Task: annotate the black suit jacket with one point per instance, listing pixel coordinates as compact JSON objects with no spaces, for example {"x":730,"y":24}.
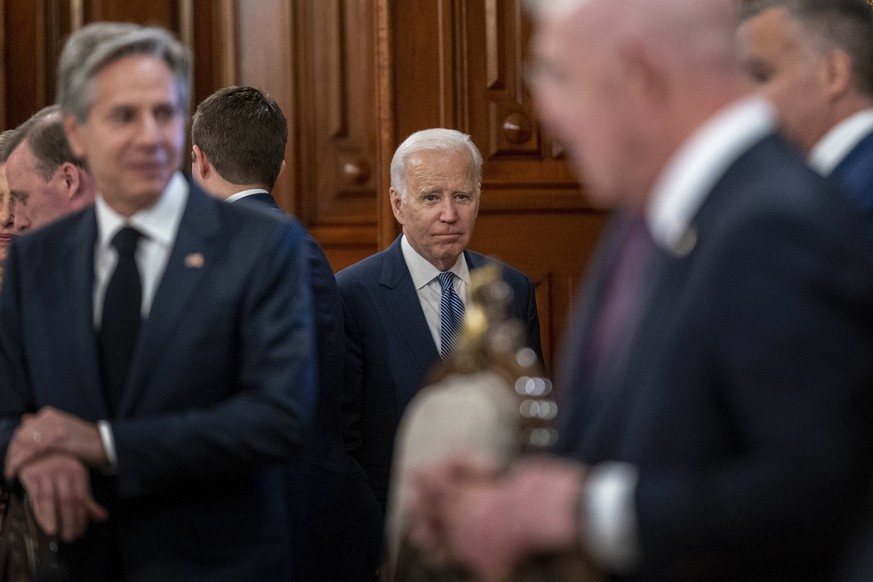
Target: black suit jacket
{"x":745,"y":396}
{"x":221,"y":389}
{"x":391,"y":350}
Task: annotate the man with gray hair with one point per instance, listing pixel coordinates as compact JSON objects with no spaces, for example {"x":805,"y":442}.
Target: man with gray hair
{"x":397,"y":302}
{"x":45,"y":179}
{"x":814,"y":60}
{"x":718,"y":422}
{"x":153,"y":374}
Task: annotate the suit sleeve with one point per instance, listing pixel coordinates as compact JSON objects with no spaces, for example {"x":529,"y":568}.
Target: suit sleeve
{"x":15,"y":398}
{"x":264,"y":418}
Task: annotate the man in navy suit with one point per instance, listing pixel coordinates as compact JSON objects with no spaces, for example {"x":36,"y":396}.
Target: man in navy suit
{"x":238,"y":136}
{"x":814,"y":60}
{"x":392,"y":299}
{"x":718,"y":422}
{"x":147,"y":432}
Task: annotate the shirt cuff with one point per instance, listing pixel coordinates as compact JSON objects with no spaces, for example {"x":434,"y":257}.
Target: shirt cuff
{"x":609,"y":517}
{"x":108,"y":440}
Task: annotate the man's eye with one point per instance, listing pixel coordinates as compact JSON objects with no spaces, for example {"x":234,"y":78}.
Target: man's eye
{"x":759,"y":73}
{"x":165,"y":114}
{"x":122,"y":116}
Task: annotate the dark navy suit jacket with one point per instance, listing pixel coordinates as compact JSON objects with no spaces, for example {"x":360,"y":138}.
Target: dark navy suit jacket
{"x":221,"y":388}
{"x":328,"y":521}
{"x":391,"y":350}
{"x":745,"y":396}
{"x":855,"y":173}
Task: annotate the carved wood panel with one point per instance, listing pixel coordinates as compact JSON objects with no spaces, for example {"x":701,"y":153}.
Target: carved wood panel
{"x":496,"y":109}
{"x":355,"y":77}
{"x":337,"y":110}
{"x":34,"y":33}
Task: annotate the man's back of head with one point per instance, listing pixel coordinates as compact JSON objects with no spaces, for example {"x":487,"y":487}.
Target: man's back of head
{"x":242,"y":132}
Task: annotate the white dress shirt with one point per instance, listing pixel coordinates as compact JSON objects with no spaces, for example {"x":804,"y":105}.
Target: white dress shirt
{"x":836,"y":144}
{"x":608,"y":508}
{"x":424,"y":278}
{"x":244,"y":193}
{"x":158,"y":224}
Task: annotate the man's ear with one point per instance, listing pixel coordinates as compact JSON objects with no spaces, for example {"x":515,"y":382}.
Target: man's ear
{"x":281,"y":169}
{"x":644,"y":70}
{"x":200,"y":163}
{"x":397,"y":205}
{"x":838,"y":71}
{"x":73,"y":130}
{"x":70,"y":175}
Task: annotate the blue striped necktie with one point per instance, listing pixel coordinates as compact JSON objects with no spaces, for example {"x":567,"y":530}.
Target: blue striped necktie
{"x":451,"y":314}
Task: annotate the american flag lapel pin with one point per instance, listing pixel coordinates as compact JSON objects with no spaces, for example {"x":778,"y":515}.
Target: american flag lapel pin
{"x":194,"y":260}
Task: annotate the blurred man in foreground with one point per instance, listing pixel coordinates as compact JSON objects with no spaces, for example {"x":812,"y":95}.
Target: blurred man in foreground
{"x":718,"y":425}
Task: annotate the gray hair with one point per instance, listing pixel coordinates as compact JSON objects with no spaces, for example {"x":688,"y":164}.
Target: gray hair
{"x":99,"y":44}
{"x":17,"y":136}
{"x":843,"y":24}
{"x":4,"y":139}
{"x":436,"y":139}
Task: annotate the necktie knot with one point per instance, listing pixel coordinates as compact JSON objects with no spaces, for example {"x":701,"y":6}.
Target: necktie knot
{"x":126,"y":240}
{"x":447,"y":281}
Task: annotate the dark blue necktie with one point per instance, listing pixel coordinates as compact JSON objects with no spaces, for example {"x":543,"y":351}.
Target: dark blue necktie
{"x":451,"y":314}
{"x":119,"y":325}
{"x":622,"y":306}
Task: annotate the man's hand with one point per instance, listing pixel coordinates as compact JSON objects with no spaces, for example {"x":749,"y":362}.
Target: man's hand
{"x":465,"y":514}
{"x":52,"y":431}
{"x":59,"y":490}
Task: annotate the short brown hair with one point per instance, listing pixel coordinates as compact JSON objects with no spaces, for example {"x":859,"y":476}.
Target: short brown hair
{"x":243,"y":132}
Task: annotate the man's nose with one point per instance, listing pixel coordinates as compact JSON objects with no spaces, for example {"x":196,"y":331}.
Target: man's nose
{"x":449,"y":213}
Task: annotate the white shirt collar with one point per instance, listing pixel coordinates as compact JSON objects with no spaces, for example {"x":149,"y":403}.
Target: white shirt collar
{"x":699,"y":163}
{"x":423,"y":272}
{"x":158,"y":222}
{"x":244,"y":193}
{"x":836,"y":144}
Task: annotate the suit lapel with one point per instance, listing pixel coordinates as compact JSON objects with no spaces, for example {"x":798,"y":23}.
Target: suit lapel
{"x":186,"y":268}
{"x":845,"y":169}
{"x":402,"y":303}
{"x":77,"y":272}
